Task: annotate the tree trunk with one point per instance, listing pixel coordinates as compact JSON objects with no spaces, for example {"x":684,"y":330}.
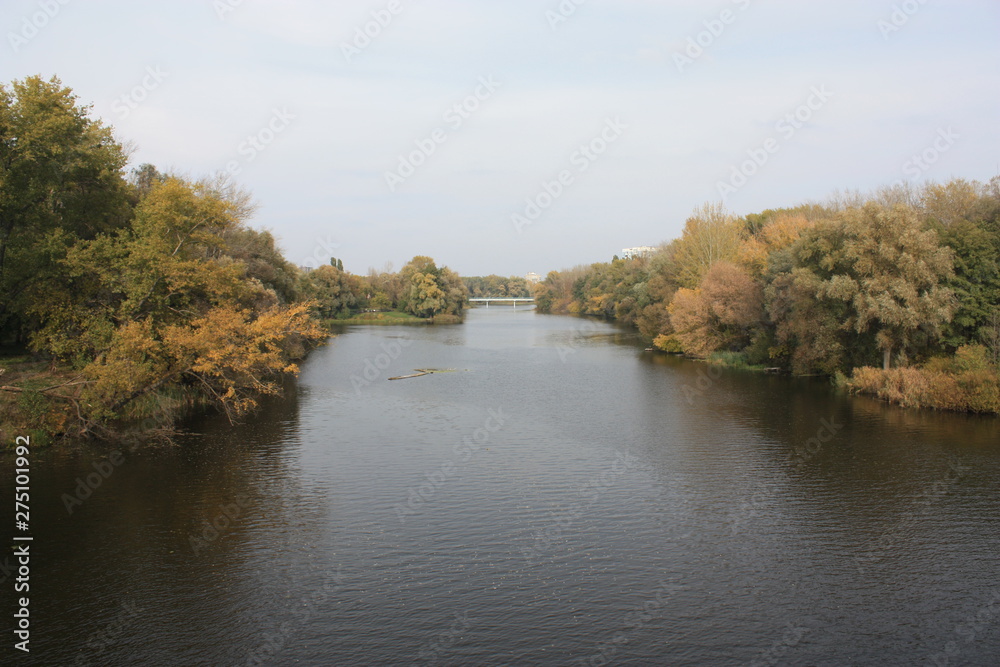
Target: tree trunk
{"x":886,"y":358}
{"x":4,"y":236}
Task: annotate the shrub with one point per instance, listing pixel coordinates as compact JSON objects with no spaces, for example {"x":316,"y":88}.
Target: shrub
{"x":668,"y":344}
{"x":966,"y":383}
{"x":737,"y":360}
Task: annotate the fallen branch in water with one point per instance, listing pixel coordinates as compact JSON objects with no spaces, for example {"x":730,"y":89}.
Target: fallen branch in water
{"x":404,"y":377}
{"x":424,"y":371}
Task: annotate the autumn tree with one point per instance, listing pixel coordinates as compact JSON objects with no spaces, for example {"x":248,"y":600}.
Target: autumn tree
{"x":885,"y":267}
{"x":710,"y":235}
{"x":165,"y":305}
{"x":809,"y":330}
{"x":776,"y":234}
{"x":956,"y":201}
{"x":144,"y":178}
{"x":720,"y":314}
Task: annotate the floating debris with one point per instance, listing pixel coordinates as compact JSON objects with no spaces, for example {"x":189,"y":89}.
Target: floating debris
{"x":425,"y":371}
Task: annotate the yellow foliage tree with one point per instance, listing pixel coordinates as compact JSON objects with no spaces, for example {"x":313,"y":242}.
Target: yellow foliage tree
{"x":711,"y":235}
{"x":162,"y":308}
{"x":783,"y":231}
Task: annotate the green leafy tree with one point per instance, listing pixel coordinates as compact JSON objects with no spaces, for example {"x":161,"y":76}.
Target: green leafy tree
{"x":432,"y":291}
{"x":976,"y":282}
{"x":426,"y":298}
{"x":61,"y":180}
{"x":334,"y":292}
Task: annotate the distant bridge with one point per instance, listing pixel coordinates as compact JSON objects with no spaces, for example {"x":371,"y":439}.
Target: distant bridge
{"x":501,"y":299}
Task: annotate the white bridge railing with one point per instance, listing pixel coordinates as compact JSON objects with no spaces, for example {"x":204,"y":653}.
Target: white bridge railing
{"x":501,"y":299}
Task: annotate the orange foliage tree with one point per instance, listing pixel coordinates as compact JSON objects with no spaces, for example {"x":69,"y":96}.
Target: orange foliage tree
{"x":720,"y":314}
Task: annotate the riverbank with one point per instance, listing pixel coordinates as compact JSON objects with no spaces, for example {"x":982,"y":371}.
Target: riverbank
{"x":392,"y":318}
{"x":969,"y":382}
{"x":51,"y":401}
{"x":29,"y":401}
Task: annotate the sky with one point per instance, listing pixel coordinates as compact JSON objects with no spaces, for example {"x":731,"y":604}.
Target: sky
{"x":514,"y":136}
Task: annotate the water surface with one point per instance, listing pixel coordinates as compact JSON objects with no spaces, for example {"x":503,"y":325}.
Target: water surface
{"x":562,"y":497}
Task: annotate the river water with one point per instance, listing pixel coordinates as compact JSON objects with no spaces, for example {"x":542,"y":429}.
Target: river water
{"x":562,"y":497}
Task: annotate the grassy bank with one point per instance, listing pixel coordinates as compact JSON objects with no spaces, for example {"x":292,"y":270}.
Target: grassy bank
{"x":735,"y":360}
{"x":395,"y":317}
{"x":386,"y":318}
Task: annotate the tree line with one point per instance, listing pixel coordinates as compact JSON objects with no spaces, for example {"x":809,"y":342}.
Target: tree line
{"x":129,"y":297}
{"x":512,"y":287}
{"x":420,"y":289}
{"x":896,"y":293}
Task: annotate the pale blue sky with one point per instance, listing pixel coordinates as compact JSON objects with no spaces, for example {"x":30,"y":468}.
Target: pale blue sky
{"x":321,"y":181}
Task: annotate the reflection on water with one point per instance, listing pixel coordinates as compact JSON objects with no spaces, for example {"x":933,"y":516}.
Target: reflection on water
{"x":566,"y":498}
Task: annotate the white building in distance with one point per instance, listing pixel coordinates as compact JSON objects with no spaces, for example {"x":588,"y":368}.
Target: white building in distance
{"x":532,"y":278}
{"x":635,"y":253}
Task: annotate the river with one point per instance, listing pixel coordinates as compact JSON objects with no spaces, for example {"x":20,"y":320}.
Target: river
{"x":561,"y":497}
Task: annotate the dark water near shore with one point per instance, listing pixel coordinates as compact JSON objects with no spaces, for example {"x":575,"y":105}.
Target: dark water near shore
{"x":561,"y":498}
